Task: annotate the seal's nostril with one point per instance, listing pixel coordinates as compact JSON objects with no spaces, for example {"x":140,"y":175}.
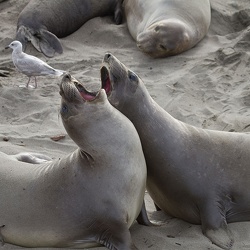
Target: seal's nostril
{"x":67,"y":76}
{"x":107,"y":56}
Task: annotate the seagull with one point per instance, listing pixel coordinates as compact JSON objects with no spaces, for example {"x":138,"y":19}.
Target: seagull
{"x":30,"y":65}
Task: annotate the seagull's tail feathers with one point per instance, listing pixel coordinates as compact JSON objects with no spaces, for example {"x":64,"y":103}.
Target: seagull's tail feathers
{"x":43,"y":40}
{"x":59,"y":72}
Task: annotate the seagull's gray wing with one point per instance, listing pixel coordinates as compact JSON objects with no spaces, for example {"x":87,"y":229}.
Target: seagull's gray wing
{"x":32,"y":66}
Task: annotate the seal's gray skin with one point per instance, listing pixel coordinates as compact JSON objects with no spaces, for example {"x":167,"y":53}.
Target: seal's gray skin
{"x":90,"y":197}
{"x":42,"y":21}
{"x":201,"y":176}
{"x":29,"y":157}
{"x":163,"y":28}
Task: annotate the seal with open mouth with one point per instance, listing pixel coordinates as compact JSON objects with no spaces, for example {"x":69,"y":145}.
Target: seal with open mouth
{"x":90,"y":197}
{"x":198,"y":175}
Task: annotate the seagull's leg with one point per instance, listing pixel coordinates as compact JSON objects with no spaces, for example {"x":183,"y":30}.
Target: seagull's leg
{"x":27,"y":85}
{"x":35,"y":83}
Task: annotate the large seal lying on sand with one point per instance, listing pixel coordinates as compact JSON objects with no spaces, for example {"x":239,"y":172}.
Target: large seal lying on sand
{"x":89,"y":197}
{"x":42,"y":21}
{"x":198,"y":175}
{"x":167,"y":27}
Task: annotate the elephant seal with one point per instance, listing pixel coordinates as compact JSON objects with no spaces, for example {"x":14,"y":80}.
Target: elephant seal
{"x":198,"y":175}
{"x":90,"y":197}
{"x":42,"y":21}
{"x":164,"y":28}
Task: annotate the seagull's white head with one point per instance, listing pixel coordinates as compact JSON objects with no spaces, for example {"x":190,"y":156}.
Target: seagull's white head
{"x":15,"y":45}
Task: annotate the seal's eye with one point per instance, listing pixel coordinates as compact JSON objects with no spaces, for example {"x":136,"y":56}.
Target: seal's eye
{"x":64,"y":109}
{"x":157,"y":28}
{"x":132,"y":76}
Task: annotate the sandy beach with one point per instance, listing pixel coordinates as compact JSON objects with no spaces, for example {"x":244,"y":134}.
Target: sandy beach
{"x":207,"y":86}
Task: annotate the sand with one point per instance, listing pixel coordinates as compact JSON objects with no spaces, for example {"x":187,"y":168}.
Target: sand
{"x":207,"y":86}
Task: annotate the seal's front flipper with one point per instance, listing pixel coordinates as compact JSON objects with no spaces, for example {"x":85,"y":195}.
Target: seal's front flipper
{"x":116,"y":236}
{"x":142,"y":218}
{"x":214,"y":226}
{"x":49,"y":43}
{"x":1,"y":236}
{"x":221,"y":237}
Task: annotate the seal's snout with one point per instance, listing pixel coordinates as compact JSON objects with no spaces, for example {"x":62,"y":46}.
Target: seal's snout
{"x":67,"y":76}
{"x":65,"y":84}
{"x":107,"y":57}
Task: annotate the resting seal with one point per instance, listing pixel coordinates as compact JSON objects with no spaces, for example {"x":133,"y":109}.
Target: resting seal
{"x":43,"y":21}
{"x":90,"y":197}
{"x":198,"y":175}
{"x":167,"y":27}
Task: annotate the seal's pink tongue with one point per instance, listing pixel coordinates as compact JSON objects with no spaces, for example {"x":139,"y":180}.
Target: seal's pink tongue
{"x":86,"y":96}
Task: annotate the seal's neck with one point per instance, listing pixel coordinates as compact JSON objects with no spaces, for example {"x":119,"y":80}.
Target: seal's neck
{"x":144,"y":107}
{"x":100,"y":133}
{"x":149,"y":118}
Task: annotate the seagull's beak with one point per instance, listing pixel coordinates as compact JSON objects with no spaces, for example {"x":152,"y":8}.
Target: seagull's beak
{"x":7,"y":47}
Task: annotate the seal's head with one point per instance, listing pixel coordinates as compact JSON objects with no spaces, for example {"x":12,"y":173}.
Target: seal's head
{"x":164,"y":38}
{"x":120,"y":83}
{"x":79,"y":106}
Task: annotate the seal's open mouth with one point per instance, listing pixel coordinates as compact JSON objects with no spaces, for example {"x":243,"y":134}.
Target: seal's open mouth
{"x":69,"y":87}
{"x":86,"y":95}
{"x":105,"y":78}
